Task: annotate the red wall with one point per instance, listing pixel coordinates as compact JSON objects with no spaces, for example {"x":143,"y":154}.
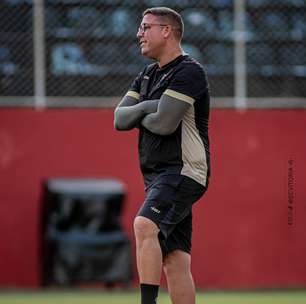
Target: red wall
{"x":241,"y":234}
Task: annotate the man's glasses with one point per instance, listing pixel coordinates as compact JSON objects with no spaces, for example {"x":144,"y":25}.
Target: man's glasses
{"x":146,"y":26}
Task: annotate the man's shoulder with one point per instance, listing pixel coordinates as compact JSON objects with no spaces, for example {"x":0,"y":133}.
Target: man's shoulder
{"x":190,"y":78}
{"x":191,"y":65}
{"x":146,"y":71}
{"x":150,"y":67}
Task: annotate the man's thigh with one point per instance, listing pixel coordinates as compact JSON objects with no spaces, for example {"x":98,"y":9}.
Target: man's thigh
{"x":169,"y":203}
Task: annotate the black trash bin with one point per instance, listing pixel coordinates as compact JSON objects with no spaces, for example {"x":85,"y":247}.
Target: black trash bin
{"x":82,"y":238}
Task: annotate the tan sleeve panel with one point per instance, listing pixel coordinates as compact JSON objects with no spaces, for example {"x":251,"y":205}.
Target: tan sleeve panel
{"x":179,"y":96}
{"x":133,"y":94}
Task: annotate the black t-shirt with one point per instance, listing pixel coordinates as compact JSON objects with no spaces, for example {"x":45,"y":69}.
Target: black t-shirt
{"x":185,"y":151}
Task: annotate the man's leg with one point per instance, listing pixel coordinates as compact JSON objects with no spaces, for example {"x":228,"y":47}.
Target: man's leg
{"x":179,"y":278}
{"x":148,"y":257}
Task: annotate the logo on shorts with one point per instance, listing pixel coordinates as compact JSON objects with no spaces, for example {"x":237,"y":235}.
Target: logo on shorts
{"x":155,"y":209}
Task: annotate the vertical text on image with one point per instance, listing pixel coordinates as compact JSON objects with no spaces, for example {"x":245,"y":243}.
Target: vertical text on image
{"x":290,"y":192}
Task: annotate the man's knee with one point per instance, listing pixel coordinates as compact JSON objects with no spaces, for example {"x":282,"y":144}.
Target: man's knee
{"x":176,"y":263}
{"x":144,"y":228}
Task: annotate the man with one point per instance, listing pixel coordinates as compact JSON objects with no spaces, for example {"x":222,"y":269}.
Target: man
{"x":169,"y":103}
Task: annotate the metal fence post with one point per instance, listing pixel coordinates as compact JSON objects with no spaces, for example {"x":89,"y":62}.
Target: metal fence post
{"x":39,"y":54}
{"x":240,"y":76}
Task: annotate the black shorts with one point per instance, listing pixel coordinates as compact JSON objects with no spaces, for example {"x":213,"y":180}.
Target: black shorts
{"x":169,"y":203}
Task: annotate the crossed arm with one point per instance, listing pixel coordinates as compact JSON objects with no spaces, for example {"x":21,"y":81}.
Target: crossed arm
{"x":129,"y":112}
{"x":160,"y":116}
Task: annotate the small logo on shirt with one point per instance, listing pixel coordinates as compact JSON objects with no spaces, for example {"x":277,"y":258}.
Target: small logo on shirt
{"x":155,"y":210}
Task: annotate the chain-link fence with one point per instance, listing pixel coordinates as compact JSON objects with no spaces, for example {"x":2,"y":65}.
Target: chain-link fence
{"x":79,"y":49}
{"x":16,"y":49}
{"x":276,"y":47}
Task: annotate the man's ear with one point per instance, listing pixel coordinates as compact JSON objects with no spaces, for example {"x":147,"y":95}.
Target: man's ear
{"x":167,"y":31}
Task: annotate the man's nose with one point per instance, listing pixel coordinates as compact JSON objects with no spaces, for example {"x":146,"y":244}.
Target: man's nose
{"x":139,"y":33}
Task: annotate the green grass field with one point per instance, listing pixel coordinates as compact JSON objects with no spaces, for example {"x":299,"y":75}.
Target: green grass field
{"x":105,"y":297}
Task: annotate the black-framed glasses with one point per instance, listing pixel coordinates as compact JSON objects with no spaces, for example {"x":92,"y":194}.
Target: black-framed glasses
{"x":146,"y":26}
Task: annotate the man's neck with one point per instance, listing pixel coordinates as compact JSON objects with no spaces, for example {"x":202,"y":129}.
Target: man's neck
{"x":168,"y":57}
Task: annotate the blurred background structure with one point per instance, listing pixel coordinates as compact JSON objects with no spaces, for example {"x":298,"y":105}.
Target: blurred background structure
{"x":69,"y":48}
{"x":64,"y":65}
